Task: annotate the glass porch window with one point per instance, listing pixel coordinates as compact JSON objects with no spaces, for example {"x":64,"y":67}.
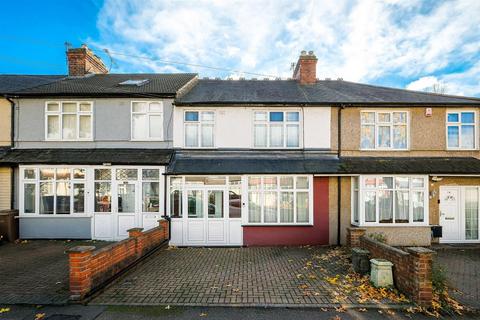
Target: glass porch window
{"x":235,"y":197}
{"x":126,"y":197}
{"x":195,"y":203}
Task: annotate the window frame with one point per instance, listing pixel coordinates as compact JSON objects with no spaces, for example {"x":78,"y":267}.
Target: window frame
{"x":262,"y":191}
{"x":376,"y":124}
{"x":37,"y":181}
{"x":77,"y":113}
{"x":459,"y":124}
{"x":199,"y":133}
{"x":285,"y":123}
{"x":148,"y":114}
{"x":361,"y":201}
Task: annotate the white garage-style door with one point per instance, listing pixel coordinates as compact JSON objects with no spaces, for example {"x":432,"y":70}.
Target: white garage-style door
{"x":459,"y":213}
{"x":206,"y":211}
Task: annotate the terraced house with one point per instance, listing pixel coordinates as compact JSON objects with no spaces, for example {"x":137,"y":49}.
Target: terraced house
{"x":242,"y":162}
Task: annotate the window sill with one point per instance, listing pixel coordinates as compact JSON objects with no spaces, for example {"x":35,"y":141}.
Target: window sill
{"x":459,"y":149}
{"x":61,"y":216}
{"x":72,"y":140}
{"x":395,"y":150}
{"x":391,"y":225}
{"x":147,"y":140}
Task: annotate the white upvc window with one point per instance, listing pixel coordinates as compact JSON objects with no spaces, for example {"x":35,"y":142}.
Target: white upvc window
{"x":53,"y":190}
{"x":147,"y":120}
{"x":279,"y":200}
{"x":276,"y":129}
{"x":390,"y":200}
{"x":461,"y":129}
{"x":68,"y":120}
{"x":199,"y":129}
{"x":384,"y":130}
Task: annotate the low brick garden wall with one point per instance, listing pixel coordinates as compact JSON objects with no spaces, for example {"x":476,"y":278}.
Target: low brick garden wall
{"x":412,"y":266}
{"x":91,"y":268}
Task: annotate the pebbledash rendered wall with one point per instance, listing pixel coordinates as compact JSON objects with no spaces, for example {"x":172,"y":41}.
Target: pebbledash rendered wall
{"x":318,"y":234}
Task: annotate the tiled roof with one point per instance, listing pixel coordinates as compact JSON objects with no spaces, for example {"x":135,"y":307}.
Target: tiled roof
{"x":322,"y":92}
{"x":87,"y":156}
{"x":12,"y":83}
{"x":105,"y":85}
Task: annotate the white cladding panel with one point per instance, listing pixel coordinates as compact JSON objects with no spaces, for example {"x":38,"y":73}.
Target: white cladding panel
{"x":234,"y":126}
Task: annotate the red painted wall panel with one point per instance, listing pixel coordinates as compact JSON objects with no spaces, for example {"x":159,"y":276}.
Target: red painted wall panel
{"x":295,"y":235}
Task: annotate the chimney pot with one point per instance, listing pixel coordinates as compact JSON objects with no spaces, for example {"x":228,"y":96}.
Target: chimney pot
{"x":306,"y":68}
{"x":82,"y":61}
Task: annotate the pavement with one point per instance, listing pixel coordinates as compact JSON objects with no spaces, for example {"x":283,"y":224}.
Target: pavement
{"x":242,"y":277}
{"x":461,"y":264}
{"x":36,"y":272}
{"x":79,"y":312}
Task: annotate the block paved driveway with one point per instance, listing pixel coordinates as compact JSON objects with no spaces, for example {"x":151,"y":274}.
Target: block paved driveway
{"x":462,"y":267}
{"x":36,"y":272}
{"x":256,"y":276}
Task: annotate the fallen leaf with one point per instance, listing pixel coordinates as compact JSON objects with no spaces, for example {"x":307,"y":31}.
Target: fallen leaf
{"x":362,"y":310}
{"x":4,"y":310}
{"x":340,"y":309}
{"x":203,"y":314}
{"x":39,"y":316}
{"x":167,"y":307}
{"x":324,"y":309}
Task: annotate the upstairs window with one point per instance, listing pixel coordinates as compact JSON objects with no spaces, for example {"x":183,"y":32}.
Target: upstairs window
{"x":461,"y":130}
{"x":382,"y":130}
{"x":147,"y":120}
{"x":199,"y":129}
{"x":69,"y":120}
{"x":276,"y":129}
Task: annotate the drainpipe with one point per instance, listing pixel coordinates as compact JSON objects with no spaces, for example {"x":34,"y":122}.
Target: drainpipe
{"x":339,"y":179}
{"x":12,"y":144}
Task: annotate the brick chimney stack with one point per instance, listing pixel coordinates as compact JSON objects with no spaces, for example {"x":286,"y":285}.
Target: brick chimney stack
{"x":306,"y":68}
{"x":82,"y":61}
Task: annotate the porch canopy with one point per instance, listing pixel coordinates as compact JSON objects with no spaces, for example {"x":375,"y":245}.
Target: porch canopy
{"x":100,"y":156}
{"x":308,"y":162}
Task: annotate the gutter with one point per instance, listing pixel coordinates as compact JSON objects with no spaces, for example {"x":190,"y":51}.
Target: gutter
{"x":12,"y":145}
{"x":339,"y":178}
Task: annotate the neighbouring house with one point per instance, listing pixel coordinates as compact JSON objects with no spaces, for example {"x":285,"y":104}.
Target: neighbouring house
{"x":242,"y":162}
{"x":90,"y":149}
{"x":8,"y":84}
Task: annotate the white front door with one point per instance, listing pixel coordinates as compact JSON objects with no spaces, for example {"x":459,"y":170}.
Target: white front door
{"x":211,"y":217}
{"x":127,"y":209}
{"x":459,"y":213}
{"x":450,"y":213}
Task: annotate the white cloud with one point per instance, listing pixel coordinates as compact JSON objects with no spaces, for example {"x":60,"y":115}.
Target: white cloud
{"x":423,"y":84}
{"x":359,"y":40}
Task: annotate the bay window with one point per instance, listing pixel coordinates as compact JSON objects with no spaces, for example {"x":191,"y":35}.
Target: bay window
{"x":276,"y":129}
{"x":199,"y":128}
{"x":382,"y":130}
{"x":461,"y":130}
{"x":69,"y":120}
{"x":389,"y":200}
{"x":147,"y":120}
{"x":279,"y":200}
{"x":53,"y":191}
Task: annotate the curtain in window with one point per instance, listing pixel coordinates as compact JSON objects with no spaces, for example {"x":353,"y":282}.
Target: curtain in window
{"x":418,"y":206}
{"x":254,"y":207}
{"x":471,"y":214}
{"x":46,"y":198}
{"x":69,"y":126}
{"x":63,"y":198}
{"x":302,"y":207}
{"x":276,"y":135}
{"x":292,"y":135}
{"x":207,"y":135}
{"x":385,"y":206}
{"x":401,"y":207}
{"x":260,"y":135}
{"x":370,"y":206}
{"x":286,"y":206}
{"x":53,"y":127}
{"x":139,"y":126}
{"x":85,"y":131}
{"x":29,"y":198}
{"x":191,"y":135}
{"x":270,"y":207}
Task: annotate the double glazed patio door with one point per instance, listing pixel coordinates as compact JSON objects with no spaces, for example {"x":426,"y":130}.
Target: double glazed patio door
{"x":205,"y":218}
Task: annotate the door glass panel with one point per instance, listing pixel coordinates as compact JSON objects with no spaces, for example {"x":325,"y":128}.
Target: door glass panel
{"x":235,"y":202}
{"x":471,"y":214}
{"x":103,"y":197}
{"x":215,"y":204}
{"x":78,"y":198}
{"x":150,"y":197}
{"x":195,"y":203}
{"x":176,"y":203}
{"x":46,"y":198}
{"x":29,"y":198}
{"x":63,"y":197}
{"x":126,"y":197}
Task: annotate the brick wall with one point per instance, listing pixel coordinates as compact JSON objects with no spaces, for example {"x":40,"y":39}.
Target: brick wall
{"x":91,"y":268}
{"x":412,"y":267}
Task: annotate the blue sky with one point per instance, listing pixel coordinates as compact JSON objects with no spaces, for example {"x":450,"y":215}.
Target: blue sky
{"x":401,"y":43}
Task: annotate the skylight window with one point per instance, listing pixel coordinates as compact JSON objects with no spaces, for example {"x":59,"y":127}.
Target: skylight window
{"x":131,"y":82}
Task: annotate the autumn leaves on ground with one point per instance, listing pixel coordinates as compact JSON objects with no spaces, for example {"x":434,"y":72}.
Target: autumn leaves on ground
{"x":348,"y":284}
